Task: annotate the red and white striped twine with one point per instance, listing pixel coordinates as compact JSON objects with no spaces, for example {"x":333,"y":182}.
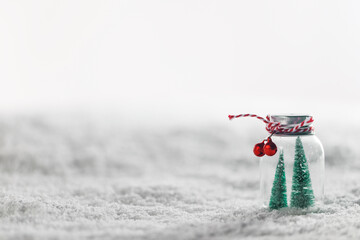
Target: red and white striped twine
{"x":276,"y":127}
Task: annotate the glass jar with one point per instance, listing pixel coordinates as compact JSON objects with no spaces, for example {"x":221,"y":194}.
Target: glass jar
{"x":294,"y":176}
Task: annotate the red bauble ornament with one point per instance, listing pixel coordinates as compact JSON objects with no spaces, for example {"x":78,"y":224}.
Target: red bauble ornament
{"x":270,"y":148}
{"x":259,"y":149}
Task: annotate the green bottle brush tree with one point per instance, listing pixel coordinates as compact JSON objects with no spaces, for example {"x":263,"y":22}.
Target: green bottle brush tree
{"x":278,"y":192}
{"x":302,"y":195}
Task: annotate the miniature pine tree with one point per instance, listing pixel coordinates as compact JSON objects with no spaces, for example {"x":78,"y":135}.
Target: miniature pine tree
{"x":278,"y":197}
{"x":302,"y":195}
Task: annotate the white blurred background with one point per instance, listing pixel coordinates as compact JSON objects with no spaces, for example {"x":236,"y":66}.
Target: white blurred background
{"x":181,"y":60}
{"x":164,"y":162}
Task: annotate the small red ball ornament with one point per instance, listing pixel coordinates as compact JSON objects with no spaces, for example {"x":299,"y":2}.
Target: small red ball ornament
{"x":259,"y":149}
{"x":270,"y":148}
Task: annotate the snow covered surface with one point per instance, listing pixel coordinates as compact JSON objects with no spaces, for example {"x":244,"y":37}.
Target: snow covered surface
{"x":82,"y":180}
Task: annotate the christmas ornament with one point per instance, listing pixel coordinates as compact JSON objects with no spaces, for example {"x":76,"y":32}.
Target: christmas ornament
{"x":292,"y":138}
{"x":270,"y":148}
{"x":259,"y":149}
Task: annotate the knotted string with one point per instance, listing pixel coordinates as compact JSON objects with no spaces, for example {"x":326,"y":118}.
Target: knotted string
{"x":277,"y":127}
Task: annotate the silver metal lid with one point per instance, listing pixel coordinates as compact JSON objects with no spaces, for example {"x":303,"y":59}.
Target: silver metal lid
{"x":291,"y":120}
{"x":288,"y":119}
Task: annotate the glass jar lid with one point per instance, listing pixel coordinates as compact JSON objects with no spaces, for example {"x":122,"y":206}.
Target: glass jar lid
{"x":290,"y":120}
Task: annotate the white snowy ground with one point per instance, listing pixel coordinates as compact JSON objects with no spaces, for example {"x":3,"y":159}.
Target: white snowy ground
{"x":96,"y":181}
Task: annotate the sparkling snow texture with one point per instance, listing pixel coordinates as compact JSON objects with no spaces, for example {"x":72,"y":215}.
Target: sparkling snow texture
{"x":100,"y":181}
